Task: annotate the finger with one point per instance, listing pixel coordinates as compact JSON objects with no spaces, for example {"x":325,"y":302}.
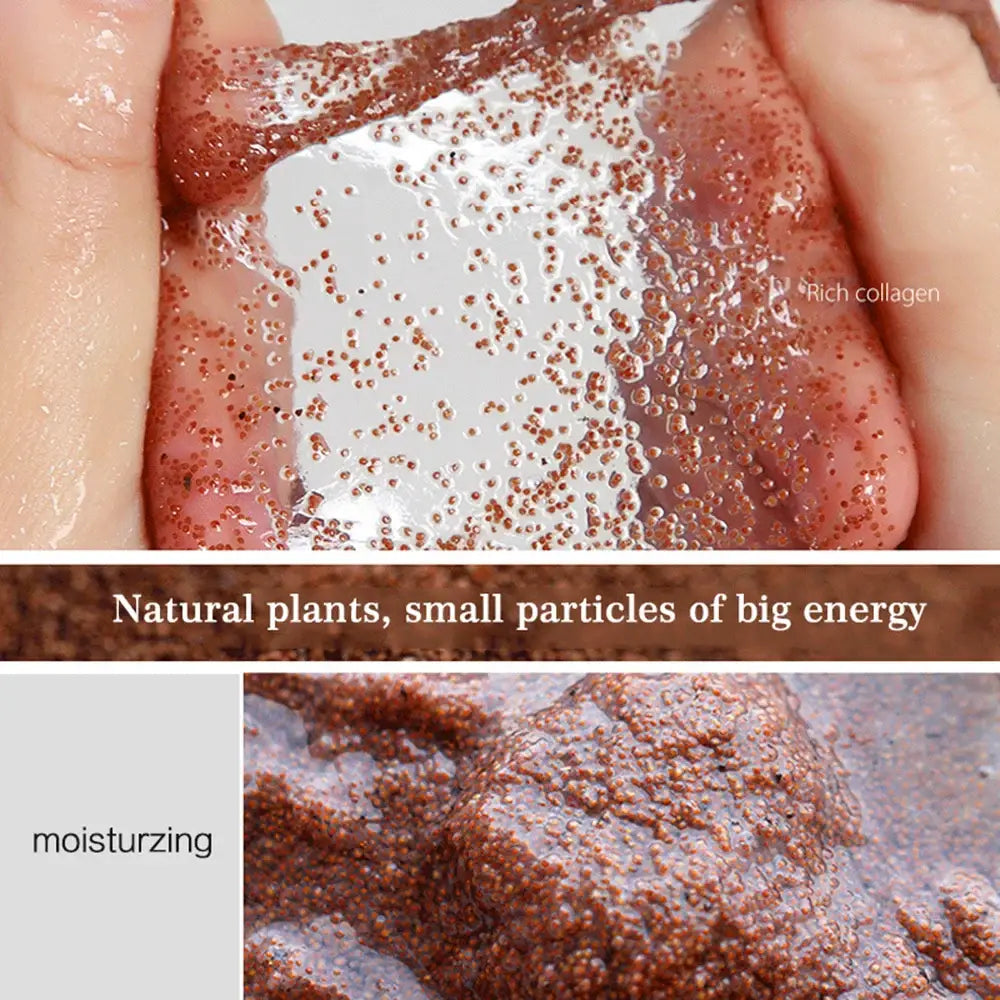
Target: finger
{"x":219,"y":450}
{"x":79,"y":255}
{"x":793,"y":435}
{"x":200,"y":24}
{"x":983,"y":20}
{"x":909,"y":120}
{"x":235,"y":23}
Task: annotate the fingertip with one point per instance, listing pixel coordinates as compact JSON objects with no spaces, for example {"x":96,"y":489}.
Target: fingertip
{"x":875,"y":50}
{"x":234,"y":23}
{"x":80,"y":79}
{"x":32,"y":26}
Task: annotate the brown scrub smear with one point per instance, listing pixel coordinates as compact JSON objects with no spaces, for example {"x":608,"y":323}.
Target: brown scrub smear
{"x":587,"y":323}
{"x":622,"y":837}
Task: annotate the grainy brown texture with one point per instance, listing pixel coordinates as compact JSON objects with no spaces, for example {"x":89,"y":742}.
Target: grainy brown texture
{"x":622,"y":837}
{"x":211,"y":156}
{"x":66,"y":613}
{"x":686,"y":416}
{"x":684,"y":391}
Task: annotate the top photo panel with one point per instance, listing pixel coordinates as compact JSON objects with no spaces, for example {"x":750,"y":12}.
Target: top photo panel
{"x":474,"y":274}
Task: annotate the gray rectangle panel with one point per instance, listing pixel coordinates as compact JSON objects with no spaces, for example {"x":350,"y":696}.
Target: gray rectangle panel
{"x":139,"y":754}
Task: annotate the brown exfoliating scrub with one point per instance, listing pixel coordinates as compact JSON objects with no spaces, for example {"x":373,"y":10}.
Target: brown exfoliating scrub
{"x":622,"y":837}
{"x":560,"y":283}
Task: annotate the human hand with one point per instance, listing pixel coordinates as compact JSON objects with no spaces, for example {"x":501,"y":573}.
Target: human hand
{"x":909,"y":121}
{"x":71,"y":379}
{"x":899,"y":104}
{"x":79,"y":265}
{"x":80,"y":256}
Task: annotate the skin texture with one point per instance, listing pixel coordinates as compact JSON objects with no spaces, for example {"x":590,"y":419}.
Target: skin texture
{"x":840,"y":454}
{"x":834,"y":468}
{"x":79,"y":261}
{"x":902,"y":110}
{"x":201,"y":376}
{"x":78,"y":185}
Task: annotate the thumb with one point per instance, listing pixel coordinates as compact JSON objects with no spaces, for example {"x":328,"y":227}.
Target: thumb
{"x":79,"y":256}
{"x":909,"y":118}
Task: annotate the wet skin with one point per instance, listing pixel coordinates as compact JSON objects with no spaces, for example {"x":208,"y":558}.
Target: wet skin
{"x":943,"y":376}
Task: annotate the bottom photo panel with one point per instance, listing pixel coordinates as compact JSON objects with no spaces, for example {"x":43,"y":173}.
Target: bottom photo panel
{"x":620,"y":836}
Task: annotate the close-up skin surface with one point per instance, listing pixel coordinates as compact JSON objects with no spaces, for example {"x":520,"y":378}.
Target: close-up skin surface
{"x":79,"y":266}
{"x":786,"y":143}
{"x":621,"y":837}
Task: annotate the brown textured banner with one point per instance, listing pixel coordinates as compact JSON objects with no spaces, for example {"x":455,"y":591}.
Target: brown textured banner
{"x":500,"y":612}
